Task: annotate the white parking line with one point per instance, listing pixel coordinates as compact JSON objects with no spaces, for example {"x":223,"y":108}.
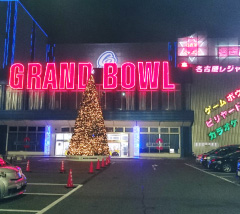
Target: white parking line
{"x":23,"y":211}
{"x":49,"y":184}
{"x":227,"y":176}
{"x":26,"y":193}
{"x":57,"y":201}
{"x":212,"y":174}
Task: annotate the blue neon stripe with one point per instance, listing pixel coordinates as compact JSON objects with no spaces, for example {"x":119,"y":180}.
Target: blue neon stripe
{"x":7,"y":32}
{"x":47,"y":50}
{"x":33,"y":19}
{"x":5,"y":44}
{"x":14,"y":33}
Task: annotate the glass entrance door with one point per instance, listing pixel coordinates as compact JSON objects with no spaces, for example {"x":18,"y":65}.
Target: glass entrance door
{"x":118,"y":144}
{"x":61,"y":148}
{"x":62,"y":143}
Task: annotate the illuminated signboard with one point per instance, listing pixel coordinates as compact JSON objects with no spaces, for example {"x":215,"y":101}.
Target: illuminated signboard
{"x":106,"y":57}
{"x":216,"y":69}
{"x":47,"y":140}
{"x":136,"y":132}
{"x":228,"y":51}
{"x":72,"y":76}
{"x":192,"y":46}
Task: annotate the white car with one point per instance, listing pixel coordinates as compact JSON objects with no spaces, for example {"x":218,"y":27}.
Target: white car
{"x":12,"y":181}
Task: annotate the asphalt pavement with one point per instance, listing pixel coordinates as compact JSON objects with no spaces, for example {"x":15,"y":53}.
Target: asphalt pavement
{"x":127,"y":186}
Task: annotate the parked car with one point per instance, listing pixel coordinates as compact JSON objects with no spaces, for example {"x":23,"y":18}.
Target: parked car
{"x":12,"y":181}
{"x":199,"y":158}
{"x":238,"y":170}
{"x":228,"y":163}
{"x":219,"y":152}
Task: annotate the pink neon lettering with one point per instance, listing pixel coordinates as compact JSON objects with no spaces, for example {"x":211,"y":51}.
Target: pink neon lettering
{"x":34,"y":74}
{"x":67,"y":75}
{"x":128,"y":75}
{"x":16,"y":77}
{"x":147,"y":74}
{"x":50,"y":77}
{"x":110,"y":76}
{"x":166,"y":78}
{"x":37,"y":79}
{"x":84,"y":73}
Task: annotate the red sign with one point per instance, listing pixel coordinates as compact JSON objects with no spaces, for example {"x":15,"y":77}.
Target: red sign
{"x":67,"y":78}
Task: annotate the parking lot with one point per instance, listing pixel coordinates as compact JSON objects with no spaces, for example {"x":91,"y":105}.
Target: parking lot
{"x":46,"y":185}
{"x":127,"y":186}
{"x":228,"y":177}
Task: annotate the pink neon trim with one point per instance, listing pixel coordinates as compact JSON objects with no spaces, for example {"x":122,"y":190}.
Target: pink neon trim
{"x":166,"y":78}
{"x":128,"y":75}
{"x":50,"y":78}
{"x":67,"y":75}
{"x":34,"y":74}
{"x":84,"y":73}
{"x":110,"y":76}
{"x":148,"y":74}
{"x":16,"y":78}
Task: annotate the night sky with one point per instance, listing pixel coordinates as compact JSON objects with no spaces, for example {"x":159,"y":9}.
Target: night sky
{"x":107,"y":21}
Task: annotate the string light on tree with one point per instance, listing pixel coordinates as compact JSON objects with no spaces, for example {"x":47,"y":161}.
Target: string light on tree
{"x":89,"y":135}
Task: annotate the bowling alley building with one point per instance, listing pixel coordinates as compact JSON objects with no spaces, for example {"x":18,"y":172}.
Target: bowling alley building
{"x":158,"y":99}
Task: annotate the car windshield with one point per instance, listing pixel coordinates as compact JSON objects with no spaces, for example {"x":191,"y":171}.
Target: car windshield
{"x":230,"y":154}
{"x":210,"y":151}
{"x":214,"y":151}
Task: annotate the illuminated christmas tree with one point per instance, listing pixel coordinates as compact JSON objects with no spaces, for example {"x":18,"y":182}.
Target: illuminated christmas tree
{"x":89,"y":135}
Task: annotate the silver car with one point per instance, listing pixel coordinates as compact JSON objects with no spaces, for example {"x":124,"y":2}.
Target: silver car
{"x":12,"y":181}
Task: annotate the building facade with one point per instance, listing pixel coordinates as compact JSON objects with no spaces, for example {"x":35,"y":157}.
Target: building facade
{"x":214,"y":89}
{"x":183,"y":111}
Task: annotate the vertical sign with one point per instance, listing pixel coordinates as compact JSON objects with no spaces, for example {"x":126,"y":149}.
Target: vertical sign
{"x":136,"y":133}
{"x":47,"y":140}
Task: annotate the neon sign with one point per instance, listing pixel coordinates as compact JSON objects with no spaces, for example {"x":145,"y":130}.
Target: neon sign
{"x":106,"y":57}
{"x":217,"y":118}
{"x":233,"y":95}
{"x":136,"y":133}
{"x":230,"y":97}
{"x":216,"y":69}
{"x":47,"y":140}
{"x":228,"y":51}
{"x":221,"y":103}
{"x":192,"y":46}
{"x":72,"y":76}
{"x":222,"y":129}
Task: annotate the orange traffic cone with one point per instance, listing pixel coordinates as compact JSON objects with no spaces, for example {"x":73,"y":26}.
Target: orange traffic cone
{"x":106,"y":161}
{"x":28,"y":167}
{"x":91,"y":168}
{"x":103,"y":165}
{"x":98,"y":165}
{"x":62,"y":170}
{"x":70,"y":180}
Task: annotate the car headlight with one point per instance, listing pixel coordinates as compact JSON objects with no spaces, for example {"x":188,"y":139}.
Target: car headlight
{"x":3,"y":174}
{"x":219,"y":162}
